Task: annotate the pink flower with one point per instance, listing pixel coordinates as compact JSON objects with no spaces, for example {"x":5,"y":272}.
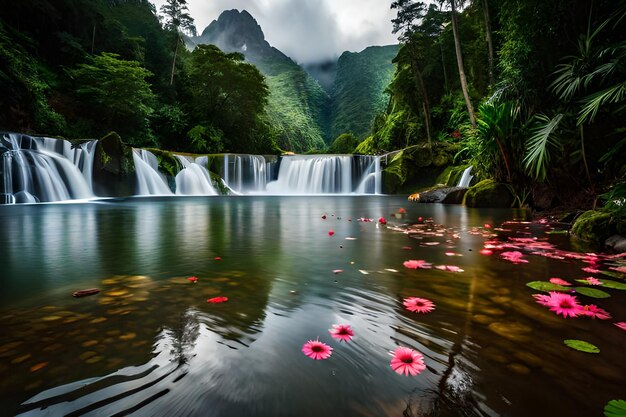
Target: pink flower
{"x":559,"y":281}
{"x":317,"y":350}
{"x":419,"y":305}
{"x":331,"y":232}
{"x":342,"y":332}
{"x":337,"y":271}
{"x":193,"y":279}
{"x":621,"y":325}
{"x":407,"y":361}
{"x":413,"y":264}
{"x":382,"y":220}
{"x":450,"y":268}
{"x":564,"y":304}
{"x":487,"y":226}
{"x":593,"y":281}
{"x":542,"y":299}
{"x":324,"y":217}
{"x":591,"y":270}
{"x":486,"y":252}
{"x":514,"y":257}
{"x":595,"y":312}
{"x":218,"y":258}
{"x":364,"y":220}
{"x":216,"y":300}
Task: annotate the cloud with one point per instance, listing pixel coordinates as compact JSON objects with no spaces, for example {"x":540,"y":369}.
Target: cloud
{"x":308,"y":30}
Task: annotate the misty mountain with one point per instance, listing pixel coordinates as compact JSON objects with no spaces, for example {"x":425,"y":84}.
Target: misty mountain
{"x":358,"y":93}
{"x":311,"y":104}
{"x":297,"y":104}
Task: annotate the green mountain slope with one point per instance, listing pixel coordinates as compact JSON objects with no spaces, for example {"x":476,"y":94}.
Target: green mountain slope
{"x":359,"y":90}
{"x":297,"y":104}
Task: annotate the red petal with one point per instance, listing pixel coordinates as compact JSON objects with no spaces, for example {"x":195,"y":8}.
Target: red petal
{"x":216,"y":300}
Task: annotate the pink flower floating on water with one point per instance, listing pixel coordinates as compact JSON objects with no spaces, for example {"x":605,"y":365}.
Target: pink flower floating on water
{"x":450,"y":268}
{"x":514,"y":257}
{"x":217,"y":300}
{"x":595,"y":312}
{"x":341,"y":332}
{"x":382,"y":220}
{"x":593,"y":281}
{"x":419,"y":264}
{"x":331,"y":232}
{"x":407,"y":361}
{"x":591,"y":270}
{"x":317,"y":350}
{"x":418,"y":305}
{"x":560,"y":303}
{"x":364,"y":220}
{"x":559,"y":281}
{"x":486,"y":252}
{"x":193,"y":279}
{"x":621,"y":325}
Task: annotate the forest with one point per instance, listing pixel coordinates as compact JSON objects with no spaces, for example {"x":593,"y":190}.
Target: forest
{"x":530,"y":93}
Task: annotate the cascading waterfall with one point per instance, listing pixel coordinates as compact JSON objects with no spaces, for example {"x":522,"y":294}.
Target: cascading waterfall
{"x":38,"y":169}
{"x":149,"y":180}
{"x":371,"y":182}
{"x":193,"y":179}
{"x":466,"y":178}
{"x":327,"y":174}
{"x":245,"y":173}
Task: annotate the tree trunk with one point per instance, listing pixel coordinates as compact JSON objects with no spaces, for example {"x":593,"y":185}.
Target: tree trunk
{"x":492,"y":79}
{"x":425,"y":102}
{"x":174,"y":61}
{"x":459,"y":61}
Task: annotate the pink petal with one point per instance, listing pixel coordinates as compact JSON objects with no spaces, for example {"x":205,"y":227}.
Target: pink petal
{"x":216,"y":300}
{"x":331,"y":232}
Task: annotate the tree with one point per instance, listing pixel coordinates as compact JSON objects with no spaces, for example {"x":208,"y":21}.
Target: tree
{"x":459,"y":61}
{"x":409,"y":15}
{"x":230,"y":95}
{"x":178,"y":20}
{"x":115,"y":95}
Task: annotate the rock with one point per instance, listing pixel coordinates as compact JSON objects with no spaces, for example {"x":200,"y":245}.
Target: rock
{"x":594,"y":226}
{"x":439,"y":194}
{"x":617,"y":243}
{"x":114,"y":167}
{"x":544,"y":197}
{"x":489,"y":194}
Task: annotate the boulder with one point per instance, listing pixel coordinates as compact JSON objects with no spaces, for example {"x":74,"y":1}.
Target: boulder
{"x":114,"y":167}
{"x":440,"y":194}
{"x":616,"y":243}
{"x":595,"y":226}
{"x":489,"y":194}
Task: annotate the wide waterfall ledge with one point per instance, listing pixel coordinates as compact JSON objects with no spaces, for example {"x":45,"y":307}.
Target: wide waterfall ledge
{"x":40,"y":169}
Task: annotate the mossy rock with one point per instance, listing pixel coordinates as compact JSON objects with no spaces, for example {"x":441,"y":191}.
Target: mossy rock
{"x":443,"y":154}
{"x":167,"y":161}
{"x":595,"y":226}
{"x":489,"y":194}
{"x":114,"y":167}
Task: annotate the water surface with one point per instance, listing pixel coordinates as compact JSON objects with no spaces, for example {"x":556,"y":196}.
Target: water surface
{"x":151,"y":345}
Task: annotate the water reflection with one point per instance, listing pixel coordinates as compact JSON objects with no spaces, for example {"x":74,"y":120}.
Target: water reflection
{"x":149,"y":343}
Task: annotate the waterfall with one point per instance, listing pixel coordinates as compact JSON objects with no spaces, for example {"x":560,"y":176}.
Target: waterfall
{"x":193,"y":179}
{"x":149,"y":180}
{"x":327,"y":174}
{"x":372,"y":176}
{"x":245,"y":173}
{"x":38,"y":169}
{"x":466,"y":178}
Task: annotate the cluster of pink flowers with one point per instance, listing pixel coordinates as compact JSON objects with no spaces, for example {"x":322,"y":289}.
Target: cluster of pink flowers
{"x":567,"y":305}
{"x":317,"y":350}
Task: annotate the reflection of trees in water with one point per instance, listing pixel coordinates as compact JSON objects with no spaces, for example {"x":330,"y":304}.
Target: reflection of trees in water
{"x":184,"y":336}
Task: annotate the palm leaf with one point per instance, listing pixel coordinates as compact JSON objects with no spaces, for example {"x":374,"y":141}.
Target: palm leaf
{"x":539,"y":144}
{"x":593,"y":102}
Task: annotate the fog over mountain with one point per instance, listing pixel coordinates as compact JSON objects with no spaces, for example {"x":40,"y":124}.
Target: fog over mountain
{"x":309,"y":31}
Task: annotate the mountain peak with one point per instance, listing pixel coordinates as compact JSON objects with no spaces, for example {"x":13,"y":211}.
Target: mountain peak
{"x":233,"y":30}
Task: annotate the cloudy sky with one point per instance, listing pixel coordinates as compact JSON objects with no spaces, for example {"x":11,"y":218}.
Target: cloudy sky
{"x":308,"y":30}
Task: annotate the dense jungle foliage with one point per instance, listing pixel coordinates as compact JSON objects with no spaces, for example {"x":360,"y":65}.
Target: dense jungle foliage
{"x":533,"y":92}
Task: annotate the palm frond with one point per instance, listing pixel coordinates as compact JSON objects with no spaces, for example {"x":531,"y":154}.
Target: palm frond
{"x":540,"y":144}
{"x":593,"y":102}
